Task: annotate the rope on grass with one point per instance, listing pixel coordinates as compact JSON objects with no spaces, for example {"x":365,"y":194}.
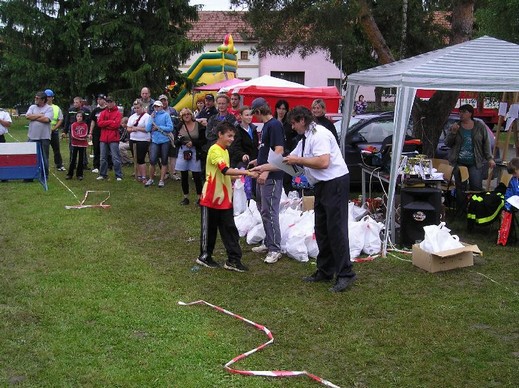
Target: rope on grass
{"x":496,"y":282}
{"x":275,"y":373}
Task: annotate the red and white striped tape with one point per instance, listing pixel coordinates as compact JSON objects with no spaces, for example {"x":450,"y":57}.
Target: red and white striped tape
{"x":274,"y":373}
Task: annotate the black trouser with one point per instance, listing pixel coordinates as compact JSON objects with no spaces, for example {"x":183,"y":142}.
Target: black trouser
{"x":213,"y":220}
{"x":185,"y":182}
{"x":96,"y":141}
{"x":75,"y":151}
{"x":54,"y":143}
{"x":331,"y":227}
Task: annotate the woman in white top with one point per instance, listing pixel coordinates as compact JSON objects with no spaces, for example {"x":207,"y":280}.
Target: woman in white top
{"x":139,"y":138}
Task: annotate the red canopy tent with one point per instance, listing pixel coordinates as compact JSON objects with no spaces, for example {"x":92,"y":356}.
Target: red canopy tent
{"x":294,"y":96}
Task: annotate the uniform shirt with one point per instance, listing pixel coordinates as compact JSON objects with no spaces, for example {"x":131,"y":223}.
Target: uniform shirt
{"x":320,"y":141}
{"x":217,"y":191}
{"x":39,"y":130}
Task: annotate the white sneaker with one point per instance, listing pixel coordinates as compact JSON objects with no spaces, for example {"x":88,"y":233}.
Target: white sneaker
{"x":148,"y":183}
{"x":100,"y":178}
{"x":95,"y":171}
{"x":161,"y":183}
{"x":260,"y":249}
{"x":272,"y":257}
{"x":118,"y":179}
{"x":62,"y":169}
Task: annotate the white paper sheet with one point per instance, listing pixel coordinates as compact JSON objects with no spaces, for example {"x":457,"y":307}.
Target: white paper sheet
{"x":503,"y":106}
{"x":277,"y":160}
{"x":514,"y":201}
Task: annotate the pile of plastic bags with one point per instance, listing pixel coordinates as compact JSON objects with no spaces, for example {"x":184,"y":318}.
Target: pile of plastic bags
{"x":297,"y":227}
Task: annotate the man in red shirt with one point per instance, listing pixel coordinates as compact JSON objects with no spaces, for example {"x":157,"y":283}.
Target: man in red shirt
{"x":109,"y":122}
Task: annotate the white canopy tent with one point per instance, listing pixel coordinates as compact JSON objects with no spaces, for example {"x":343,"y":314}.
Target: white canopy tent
{"x":264,"y":80}
{"x":483,"y":64}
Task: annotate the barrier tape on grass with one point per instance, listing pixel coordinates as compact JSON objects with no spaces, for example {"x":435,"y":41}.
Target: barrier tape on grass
{"x":96,"y":205}
{"x":274,"y":373}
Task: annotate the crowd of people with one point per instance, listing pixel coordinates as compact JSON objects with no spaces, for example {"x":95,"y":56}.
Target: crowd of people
{"x":220,"y":140}
{"x":217,"y":141}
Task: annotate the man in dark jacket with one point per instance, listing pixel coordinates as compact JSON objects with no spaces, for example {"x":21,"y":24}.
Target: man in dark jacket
{"x":222,"y":103}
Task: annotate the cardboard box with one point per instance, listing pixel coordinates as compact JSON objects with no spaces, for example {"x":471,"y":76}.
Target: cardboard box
{"x":308,"y":202}
{"x":445,"y":260}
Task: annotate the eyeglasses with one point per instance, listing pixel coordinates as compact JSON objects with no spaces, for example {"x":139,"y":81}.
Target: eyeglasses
{"x":186,"y":114}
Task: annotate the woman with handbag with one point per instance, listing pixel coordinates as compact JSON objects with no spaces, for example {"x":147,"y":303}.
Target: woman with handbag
{"x":139,"y":138}
{"x":191,"y":137}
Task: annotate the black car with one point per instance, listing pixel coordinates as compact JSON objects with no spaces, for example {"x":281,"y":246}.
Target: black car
{"x":368,"y":131}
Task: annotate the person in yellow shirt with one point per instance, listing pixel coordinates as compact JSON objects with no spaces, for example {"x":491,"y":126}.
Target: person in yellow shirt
{"x":216,"y":203}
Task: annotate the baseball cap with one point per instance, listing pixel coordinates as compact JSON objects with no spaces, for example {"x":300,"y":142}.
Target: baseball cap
{"x":258,"y":103}
{"x":157,"y":103}
{"x":49,"y":93}
{"x":109,"y":99}
{"x":209,"y":97}
{"x":163,"y":97}
{"x":101,"y":96}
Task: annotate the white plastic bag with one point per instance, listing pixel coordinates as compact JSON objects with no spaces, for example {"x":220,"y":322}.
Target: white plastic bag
{"x":297,"y":235}
{"x":256,"y":234}
{"x":372,"y":240}
{"x":355,"y":212}
{"x":356,"y":232}
{"x":239,"y":198}
{"x":438,"y":238}
{"x":245,"y":222}
{"x":287,"y":218}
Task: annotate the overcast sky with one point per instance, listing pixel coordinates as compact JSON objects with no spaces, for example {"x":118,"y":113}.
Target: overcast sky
{"x":212,"y":5}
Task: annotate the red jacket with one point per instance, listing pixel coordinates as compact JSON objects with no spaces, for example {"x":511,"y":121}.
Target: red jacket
{"x":109,"y":122}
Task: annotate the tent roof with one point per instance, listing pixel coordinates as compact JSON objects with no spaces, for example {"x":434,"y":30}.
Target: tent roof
{"x":264,"y":80}
{"x":219,"y":85}
{"x":483,"y":64}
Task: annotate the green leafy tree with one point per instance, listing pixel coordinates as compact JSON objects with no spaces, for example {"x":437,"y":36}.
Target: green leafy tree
{"x":82,"y":47}
{"x":500,"y":19}
{"x":368,"y":33}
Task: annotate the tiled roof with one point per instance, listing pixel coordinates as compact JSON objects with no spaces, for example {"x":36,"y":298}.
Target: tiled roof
{"x":212,"y":26}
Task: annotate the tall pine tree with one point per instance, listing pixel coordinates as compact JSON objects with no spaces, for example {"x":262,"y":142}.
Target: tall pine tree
{"x":82,"y":47}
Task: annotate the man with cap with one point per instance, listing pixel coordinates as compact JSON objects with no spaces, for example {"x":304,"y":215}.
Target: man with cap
{"x":208,"y":110}
{"x":55,"y":124}
{"x":40,"y":116}
{"x":269,"y":183}
{"x":95,"y":131}
{"x":173,"y":151}
{"x":109,"y":121}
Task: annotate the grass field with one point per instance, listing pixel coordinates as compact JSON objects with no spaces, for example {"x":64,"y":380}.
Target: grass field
{"x":89,"y":298}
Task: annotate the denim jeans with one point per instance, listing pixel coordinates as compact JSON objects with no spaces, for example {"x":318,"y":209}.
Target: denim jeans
{"x":116,"y":157}
{"x":159,"y":150}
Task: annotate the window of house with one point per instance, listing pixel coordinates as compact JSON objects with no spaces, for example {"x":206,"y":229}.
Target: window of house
{"x":388,"y":92}
{"x":244,"y":55}
{"x":292,"y":76}
{"x":335,"y":82}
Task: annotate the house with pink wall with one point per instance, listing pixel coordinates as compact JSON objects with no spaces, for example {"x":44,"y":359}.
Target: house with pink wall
{"x":313,"y":71}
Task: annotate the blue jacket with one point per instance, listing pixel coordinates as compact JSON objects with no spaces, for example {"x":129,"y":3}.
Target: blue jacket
{"x":163,"y":121}
{"x":512,"y":189}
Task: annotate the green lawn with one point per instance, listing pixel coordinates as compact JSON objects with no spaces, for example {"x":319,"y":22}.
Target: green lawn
{"x":89,"y":298}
